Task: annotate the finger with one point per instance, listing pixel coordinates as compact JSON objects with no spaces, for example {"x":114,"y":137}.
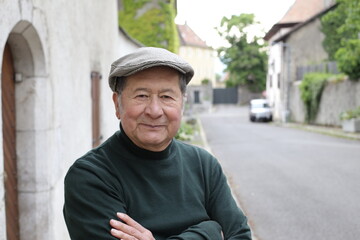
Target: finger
{"x":131,"y":222}
{"x":123,"y":231}
{"x":121,"y":235}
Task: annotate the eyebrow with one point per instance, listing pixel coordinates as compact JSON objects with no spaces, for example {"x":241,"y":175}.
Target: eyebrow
{"x":167,"y":90}
{"x":148,"y":90}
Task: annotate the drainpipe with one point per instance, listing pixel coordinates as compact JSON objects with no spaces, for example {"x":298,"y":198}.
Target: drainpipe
{"x":285,"y":116}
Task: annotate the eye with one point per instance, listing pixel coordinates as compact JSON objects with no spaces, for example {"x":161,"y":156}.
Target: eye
{"x":141,"y":96}
{"x":166,"y":97}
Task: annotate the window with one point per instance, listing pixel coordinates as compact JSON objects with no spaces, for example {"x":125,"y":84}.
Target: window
{"x":197,"y":96}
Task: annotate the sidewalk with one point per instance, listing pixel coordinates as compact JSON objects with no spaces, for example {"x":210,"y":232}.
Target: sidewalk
{"x":201,"y":141}
{"x":331,"y":131}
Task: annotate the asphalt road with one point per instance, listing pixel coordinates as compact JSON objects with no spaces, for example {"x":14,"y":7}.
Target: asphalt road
{"x":292,"y":184}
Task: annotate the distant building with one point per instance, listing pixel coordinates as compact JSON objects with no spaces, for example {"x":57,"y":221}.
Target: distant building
{"x":281,"y":53}
{"x":202,"y":58}
{"x":198,"y":54}
{"x":296,"y":48}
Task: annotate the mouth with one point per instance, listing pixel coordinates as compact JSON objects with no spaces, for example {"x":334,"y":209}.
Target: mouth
{"x":153,"y":126}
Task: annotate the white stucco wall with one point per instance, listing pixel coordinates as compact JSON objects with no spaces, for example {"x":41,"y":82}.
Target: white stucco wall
{"x":273,"y":84}
{"x":56,"y":45}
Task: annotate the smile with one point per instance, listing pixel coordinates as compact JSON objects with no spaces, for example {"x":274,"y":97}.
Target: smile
{"x":153,"y":126}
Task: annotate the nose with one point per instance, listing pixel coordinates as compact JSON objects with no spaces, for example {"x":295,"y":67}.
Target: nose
{"x":154,"y":108}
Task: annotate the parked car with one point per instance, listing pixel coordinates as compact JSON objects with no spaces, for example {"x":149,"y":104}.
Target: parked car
{"x":259,"y":110}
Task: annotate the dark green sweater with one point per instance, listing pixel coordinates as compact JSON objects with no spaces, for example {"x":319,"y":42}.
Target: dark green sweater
{"x":179,"y":193}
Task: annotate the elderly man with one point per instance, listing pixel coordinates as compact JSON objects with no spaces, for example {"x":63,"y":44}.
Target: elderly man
{"x":141,"y":183}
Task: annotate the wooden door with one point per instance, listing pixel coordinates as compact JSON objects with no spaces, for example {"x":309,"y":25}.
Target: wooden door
{"x":9,"y":145}
{"x":95,"y":99}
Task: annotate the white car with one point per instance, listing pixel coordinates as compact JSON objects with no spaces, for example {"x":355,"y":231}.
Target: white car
{"x":259,"y":110}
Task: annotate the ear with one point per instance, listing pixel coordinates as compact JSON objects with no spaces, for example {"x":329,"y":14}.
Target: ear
{"x":116,"y":104}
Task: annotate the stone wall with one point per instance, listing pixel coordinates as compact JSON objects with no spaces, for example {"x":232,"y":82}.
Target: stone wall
{"x":336,"y":98}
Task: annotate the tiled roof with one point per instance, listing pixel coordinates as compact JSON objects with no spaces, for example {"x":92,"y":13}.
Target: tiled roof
{"x":299,"y":12}
{"x":300,"y":25}
{"x":189,"y":38}
{"x":302,"y":10}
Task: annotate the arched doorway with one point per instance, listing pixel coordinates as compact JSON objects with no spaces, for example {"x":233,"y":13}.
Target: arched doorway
{"x":26,"y":122}
{"x":9,"y":145}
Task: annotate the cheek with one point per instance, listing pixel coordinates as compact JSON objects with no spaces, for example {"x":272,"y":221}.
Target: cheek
{"x":174,"y":115}
{"x":130,"y":113}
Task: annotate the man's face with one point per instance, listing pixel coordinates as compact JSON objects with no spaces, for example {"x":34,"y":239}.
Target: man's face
{"x":150,"y":108}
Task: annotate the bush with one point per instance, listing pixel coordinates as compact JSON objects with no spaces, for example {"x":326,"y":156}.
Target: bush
{"x":205,"y":81}
{"x":311,"y":89}
{"x":350,"y":114}
{"x":185,"y":132}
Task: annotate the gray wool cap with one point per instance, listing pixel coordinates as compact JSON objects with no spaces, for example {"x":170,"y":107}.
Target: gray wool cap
{"x":147,"y":57}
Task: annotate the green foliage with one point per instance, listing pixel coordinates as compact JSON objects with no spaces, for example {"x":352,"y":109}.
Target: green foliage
{"x":205,"y":81}
{"x":171,"y":33}
{"x":185,"y":132}
{"x":244,"y":58}
{"x":330,"y":23}
{"x":311,"y":89}
{"x":342,"y":41}
{"x":154,"y":27}
{"x":348,"y":58}
{"x":350,"y":114}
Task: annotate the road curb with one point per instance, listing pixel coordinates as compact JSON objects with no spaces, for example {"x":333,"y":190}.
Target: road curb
{"x":207,"y":147}
{"x":330,"y":131}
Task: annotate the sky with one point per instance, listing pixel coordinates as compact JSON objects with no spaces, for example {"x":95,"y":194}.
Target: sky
{"x":204,"y":15}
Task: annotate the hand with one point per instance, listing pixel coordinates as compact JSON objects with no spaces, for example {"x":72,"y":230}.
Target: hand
{"x":129,"y":230}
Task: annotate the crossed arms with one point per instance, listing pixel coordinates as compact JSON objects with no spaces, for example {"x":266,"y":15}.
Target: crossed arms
{"x":92,"y":201}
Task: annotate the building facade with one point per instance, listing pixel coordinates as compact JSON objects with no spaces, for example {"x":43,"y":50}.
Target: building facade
{"x":202,"y":59}
{"x":282,"y":54}
{"x":297,"y":49}
{"x":198,"y":54}
{"x":56,"y":104}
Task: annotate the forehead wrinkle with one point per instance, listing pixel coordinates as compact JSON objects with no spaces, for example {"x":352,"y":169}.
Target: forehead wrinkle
{"x":150,"y":90}
{"x":142,"y":89}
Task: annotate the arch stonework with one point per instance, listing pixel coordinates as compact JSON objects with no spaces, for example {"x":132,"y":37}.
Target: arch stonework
{"x":34,"y":131}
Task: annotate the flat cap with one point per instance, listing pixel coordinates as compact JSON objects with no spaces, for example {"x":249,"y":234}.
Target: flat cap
{"x":147,"y":57}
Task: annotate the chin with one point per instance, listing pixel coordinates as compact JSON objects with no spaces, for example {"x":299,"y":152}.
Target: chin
{"x":156,"y":143}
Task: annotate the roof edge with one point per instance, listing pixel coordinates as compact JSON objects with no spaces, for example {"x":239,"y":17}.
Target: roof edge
{"x":136,"y":42}
{"x":276,"y":27}
{"x":300,"y":25}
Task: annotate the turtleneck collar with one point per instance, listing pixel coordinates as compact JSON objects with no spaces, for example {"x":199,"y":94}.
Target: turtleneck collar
{"x":143,"y":153}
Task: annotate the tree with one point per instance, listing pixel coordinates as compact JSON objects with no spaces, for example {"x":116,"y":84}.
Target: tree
{"x":342,"y":36}
{"x":150,"y":22}
{"x":244,"y":59}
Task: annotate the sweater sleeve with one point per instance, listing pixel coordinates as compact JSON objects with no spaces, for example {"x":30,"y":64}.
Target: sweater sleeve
{"x":207,"y":230}
{"x":222,"y":206}
{"x":90,"y":202}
